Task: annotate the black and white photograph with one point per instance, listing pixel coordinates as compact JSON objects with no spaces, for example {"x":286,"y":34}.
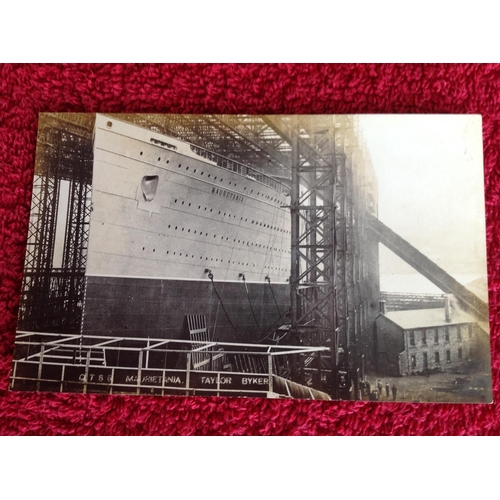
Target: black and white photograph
{"x":320,"y":257}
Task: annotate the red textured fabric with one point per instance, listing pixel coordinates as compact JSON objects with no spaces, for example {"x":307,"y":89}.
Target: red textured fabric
{"x":26,"y":90}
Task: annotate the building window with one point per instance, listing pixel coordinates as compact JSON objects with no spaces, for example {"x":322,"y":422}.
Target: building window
{"x":436,"y":336}
{"x":446,"y":335}
{"x":452,"y":331}
{"x":448,"y":356}
{"x":412,"y":338}
{"x":460,"y":354}
{"x":413,"y":361}
{"x":424,"y":338}
{"x":425,"y":361}
{"x":459,"y":333}
{"x":470,"y":331}
{"x":436,"y":358}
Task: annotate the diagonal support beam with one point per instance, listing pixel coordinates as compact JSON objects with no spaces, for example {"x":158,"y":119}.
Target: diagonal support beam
{"x":427,"y":268}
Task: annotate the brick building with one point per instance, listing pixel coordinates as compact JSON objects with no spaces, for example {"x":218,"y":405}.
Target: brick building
{"x":423,"y":340}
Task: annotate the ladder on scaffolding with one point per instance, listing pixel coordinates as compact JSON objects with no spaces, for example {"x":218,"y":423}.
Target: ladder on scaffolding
{"x":203,"y":355}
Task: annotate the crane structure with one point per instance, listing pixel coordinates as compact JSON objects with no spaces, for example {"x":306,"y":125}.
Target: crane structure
{"x":335,"y":231}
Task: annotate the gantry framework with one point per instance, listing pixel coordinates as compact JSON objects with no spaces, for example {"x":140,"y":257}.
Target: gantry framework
{"x":52,"y":292}
{"x":334,"y":272}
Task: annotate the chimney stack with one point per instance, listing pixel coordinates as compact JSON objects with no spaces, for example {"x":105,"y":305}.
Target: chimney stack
{"x":382,"y":306}
{"x":447,"y":309}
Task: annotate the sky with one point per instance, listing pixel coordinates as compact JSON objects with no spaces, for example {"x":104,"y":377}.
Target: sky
{"x":431,"y":188}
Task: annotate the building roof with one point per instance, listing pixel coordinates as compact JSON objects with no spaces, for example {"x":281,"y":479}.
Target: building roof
{"x":485,"y":326}
{"x":428,"y":318}
{"x":480,"y":288}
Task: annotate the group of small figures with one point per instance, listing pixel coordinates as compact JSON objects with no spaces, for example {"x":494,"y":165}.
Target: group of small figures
{"x":376,"y":393}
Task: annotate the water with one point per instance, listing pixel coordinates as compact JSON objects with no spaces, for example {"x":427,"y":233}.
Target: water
{"x":416,"y":283}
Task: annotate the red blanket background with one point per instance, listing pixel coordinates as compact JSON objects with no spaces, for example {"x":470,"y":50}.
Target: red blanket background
{"x":26,"y":90}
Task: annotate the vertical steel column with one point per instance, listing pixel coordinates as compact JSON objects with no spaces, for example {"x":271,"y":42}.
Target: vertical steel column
{"x":295,"y":230}
{"x":313,"y":251}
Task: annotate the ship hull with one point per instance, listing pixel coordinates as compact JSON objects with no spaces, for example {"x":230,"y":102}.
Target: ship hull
{"x":165,"y":217}
{"x":157,"y":308}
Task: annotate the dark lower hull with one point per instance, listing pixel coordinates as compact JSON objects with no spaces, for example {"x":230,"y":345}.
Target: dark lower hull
{"x":157,"y":308}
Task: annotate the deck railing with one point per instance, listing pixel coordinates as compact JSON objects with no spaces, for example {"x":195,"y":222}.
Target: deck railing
{"x":107,"y":365}
{"x":239,"y":168}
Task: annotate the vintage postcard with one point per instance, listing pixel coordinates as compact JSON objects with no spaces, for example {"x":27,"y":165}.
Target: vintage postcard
{"x":333,"y":257}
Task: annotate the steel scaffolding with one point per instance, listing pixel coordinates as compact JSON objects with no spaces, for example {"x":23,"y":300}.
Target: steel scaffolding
{"x":334,"y":279}
{"x":52,"y":292}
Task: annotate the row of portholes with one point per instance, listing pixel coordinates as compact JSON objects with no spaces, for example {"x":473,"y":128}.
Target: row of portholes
{"x":200,"y":233}
{"x":212,"y":259}
{"x":263,"y":224}
{"x":276,"y":200}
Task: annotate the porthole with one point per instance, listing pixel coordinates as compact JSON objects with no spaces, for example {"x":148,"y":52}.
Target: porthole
{"x":159,"y":158}
{"x":208,"y":175}
{"x":140,"y":153}
{"x":187,"y":168}
{"x":180,"y":165}
{"x":109,"y":124}
{"x":168,"y":161}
